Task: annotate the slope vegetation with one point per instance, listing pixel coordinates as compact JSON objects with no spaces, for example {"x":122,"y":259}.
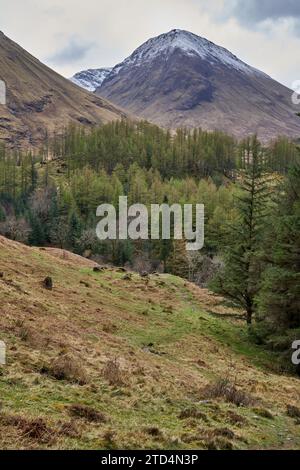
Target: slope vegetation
{"x":107,"y":359}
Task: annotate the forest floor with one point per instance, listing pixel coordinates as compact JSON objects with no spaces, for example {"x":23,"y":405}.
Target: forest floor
{"x":107,"y":360}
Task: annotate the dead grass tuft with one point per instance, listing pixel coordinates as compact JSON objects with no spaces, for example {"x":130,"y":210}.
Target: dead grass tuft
{"x":193,"y":413}
{"x":211,"y":439}
{"x":65,"y":367}
{"x":109,"y":438}
{"x":88,"y":413}
{"x":293,"y":411}
{"x":31,"y":336}
{"x":110,"y":328}
{"x":35,"y":429}
{"x":68,"y":429}
{"x":153,"y":431}
{"x":223,"y":388}
{"x":218,"y":443}
{"x":263,"y":413}
{"x":223,"y":432}
{"x":113,"y":374}
{"x":236,"y":419}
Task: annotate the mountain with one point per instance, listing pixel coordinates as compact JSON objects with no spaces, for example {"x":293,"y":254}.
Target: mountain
{"x":180,"y":79}
{"x":101,"y":361}
{"x":91,"y":79}
{"x":40,"y":100}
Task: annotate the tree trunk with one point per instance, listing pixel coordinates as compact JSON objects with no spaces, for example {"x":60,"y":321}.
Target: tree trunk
{"x":249,"y":316}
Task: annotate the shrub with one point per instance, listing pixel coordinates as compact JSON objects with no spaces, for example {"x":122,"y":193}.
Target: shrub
{"x":223,"y":388}
{"x":293,"y":411}
{"x":65,"y":367}
{"x":113,"y":374}
{"x":88,"y":413}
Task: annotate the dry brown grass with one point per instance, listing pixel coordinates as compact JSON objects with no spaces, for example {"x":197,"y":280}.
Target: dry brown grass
{"x":35,"y":429}
{"x":226,"y":390}
{"x":66,"y":367}
{"x":154,"y":431}
{"x":235,"y":418}
{"x":113,"y":374}
{"x":38,"y":339}
{"x":88,"y":413}
{"x":68,"y":428}
{"x":263,"y":412}
{"x":293,"y":411}
{"x":212,"y":439}
{"x":193,"y":413}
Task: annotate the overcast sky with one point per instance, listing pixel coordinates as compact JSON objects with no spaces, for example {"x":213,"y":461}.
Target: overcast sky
{"x":71,"y":35}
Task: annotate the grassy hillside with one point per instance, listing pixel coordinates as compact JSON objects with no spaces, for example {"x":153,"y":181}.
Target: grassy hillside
{"x":110,"y":360}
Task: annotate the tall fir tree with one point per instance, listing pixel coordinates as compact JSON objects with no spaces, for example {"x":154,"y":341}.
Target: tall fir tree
{"x":74,"y":230}
{"x":239,"y":281}
{"x":279,"y":299}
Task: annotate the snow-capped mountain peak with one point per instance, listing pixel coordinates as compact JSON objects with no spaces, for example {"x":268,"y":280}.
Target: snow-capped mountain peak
{"x":187,"y":42}
{"x":179,"y":79}
{"x":92,"y":78}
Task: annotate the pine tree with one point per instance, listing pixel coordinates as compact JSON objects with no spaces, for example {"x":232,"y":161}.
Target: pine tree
{"x":2,"y":214}
{"x":165,"y":244}
{"x":279,"y":299}
{"x":74,"y":230}
{"x":123,"y":253}
{"x":240,"y":279}
{"x":178,"y":259}
{"x":37,"y":235}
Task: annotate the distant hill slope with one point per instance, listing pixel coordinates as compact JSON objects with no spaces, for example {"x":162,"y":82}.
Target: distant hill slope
{"x":180,"y":79}
{"x":101,"y":361}
{"x":38,"y":99}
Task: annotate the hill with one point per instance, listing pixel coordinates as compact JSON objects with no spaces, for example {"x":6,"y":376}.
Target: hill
{"x":39,"y":100}
{"x":109,"y":360}
{"x":179,"y":79}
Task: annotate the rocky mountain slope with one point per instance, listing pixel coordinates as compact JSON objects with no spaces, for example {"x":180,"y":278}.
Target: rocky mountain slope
{"x":107,"y":359}
{"x":40,"y":100}
{"x":180,"y":79}
{"x":91,"y":79}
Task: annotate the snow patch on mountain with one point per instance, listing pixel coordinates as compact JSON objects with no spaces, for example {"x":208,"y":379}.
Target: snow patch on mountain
{"x":92,"y":78}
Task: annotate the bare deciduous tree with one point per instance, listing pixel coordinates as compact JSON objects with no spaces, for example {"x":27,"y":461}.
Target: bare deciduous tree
{"x":15,"y":229}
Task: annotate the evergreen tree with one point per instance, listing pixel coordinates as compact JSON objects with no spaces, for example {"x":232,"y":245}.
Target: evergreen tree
{"x":74,"y":230}
{"x":165,"y":244}
{"x":37,"y":236}
{"x":123,"y":253}
{"x":279,"y":299}
{"x":2,"y":214}
{"x":239,"y":281}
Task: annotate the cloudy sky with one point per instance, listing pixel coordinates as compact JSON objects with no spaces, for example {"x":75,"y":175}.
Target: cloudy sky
{"x":71,"y":35}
